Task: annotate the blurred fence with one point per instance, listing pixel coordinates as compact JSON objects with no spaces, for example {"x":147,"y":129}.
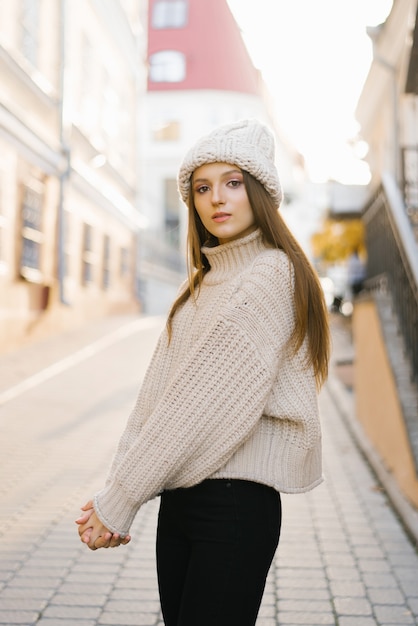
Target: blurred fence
{"x":393,"y":262}
{"x":410,"y":183}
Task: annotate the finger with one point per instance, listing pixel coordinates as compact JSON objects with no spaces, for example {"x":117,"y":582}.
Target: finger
{"x":125,"y":540}
{"x":84,"y":518}
{"x":88,"y":505}
{"x":115,"y":540}
{"x":85,"y":536}
{"x":101,"y":542}
{"x":83,"y":528}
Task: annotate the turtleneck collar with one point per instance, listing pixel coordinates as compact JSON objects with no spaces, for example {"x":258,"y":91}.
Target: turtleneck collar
{"x":231,"y":258}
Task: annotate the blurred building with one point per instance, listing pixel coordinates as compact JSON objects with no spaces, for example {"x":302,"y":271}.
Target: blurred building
{"x":71,"y":76}
{"x":200,"y":76}
{"x":385,"y":320}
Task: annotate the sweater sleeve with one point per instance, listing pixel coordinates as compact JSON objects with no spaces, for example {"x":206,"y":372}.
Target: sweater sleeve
{"x":214,"y":401}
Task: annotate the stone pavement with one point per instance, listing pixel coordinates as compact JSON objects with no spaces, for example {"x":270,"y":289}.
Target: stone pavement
{"x":344,"y":557}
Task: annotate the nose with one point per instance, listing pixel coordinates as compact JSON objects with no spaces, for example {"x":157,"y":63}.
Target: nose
{"x":217,"y":195}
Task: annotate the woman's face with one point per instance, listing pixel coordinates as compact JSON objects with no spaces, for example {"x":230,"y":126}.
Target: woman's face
{"x":221,"y":201}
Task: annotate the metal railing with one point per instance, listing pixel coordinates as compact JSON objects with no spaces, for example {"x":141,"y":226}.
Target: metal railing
{"x":393,"y":260}
{"x":410,"y":183}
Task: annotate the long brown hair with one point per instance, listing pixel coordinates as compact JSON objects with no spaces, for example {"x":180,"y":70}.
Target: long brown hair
{"x":311,"y":312}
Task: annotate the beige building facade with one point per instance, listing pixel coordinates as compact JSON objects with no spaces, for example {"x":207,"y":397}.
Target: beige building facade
{"x":71,"y":76}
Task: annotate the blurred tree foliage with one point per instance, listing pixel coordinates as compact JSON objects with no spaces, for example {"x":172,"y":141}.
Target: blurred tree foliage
{"x":337,"y":240}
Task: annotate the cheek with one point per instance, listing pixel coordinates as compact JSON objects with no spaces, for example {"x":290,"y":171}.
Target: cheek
{"x":200,"y":208}
{"x":250,"y":215}
{"x":200,"y":214}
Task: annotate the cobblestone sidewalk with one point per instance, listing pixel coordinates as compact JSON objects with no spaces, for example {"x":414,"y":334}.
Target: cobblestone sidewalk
{"x":344,"y":558}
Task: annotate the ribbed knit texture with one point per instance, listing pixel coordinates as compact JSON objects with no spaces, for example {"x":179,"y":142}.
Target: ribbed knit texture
{"x":226,"y":398}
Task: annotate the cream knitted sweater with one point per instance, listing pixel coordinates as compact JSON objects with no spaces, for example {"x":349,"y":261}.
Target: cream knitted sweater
{"x":225,"y":398}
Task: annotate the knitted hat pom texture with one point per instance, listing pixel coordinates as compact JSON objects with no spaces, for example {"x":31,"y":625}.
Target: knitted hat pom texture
{"x":247,"y":144}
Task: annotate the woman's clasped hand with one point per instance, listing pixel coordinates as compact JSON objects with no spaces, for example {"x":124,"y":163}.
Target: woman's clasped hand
{"x":93,"y":533}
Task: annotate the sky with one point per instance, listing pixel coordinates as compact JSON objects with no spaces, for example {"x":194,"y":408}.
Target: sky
{"x":314,"y":56}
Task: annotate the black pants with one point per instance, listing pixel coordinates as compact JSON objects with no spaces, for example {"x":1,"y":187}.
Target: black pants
{"x":215,"y":545}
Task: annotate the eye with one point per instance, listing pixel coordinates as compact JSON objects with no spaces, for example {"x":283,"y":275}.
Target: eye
{"x":234,"y":183}
{"x":201,"y":189}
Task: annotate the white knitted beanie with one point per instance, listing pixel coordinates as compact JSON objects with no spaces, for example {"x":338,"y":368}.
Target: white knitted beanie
{"x":248,"y":144}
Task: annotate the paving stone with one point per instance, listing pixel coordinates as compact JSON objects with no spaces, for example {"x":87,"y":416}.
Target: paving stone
{"x":28,"y":583}
{"x":24,"y":604}
{"x":19,"y":593}
{"x":79,"y":588}
{"x":393,"y":614}
{"x":313,"y":606}
{"x":373,"y":579}
{"x":307,"y":619}
{"x":286,"y":573}
{"x":399,"y":545}
{"x":369,"y":552}
{"x":141,"y":606}
{"x":72,"y":612}
{"x":342,"y":547}
{"x":409,"y":588}
{"x":290,"y":593}
{"x":301,"y":583}
{"x":46,"y":621}
{"x":7,"y":565}
{"x":357,"y":621}
{"x":127,"y":619}
{"x":18,"y":617}
{"x":5,"y":577}
{"x":413,"y":604}
{"x":407,"y":573}
{"x":386,"y":596}
{"x":137,"y":594}
{"x":79,"y":599}
{"x":86,"y":578}
{"x":374,"y":565}
{"x":139,"y":583}
{"x":407,"y":560}
{"x":343,"y":560}
{"x":347,"y":589}
{"x":343,"y":573}
{"x":352,"y":606}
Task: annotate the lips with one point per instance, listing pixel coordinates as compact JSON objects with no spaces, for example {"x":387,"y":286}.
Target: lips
{"x":220,"y":217}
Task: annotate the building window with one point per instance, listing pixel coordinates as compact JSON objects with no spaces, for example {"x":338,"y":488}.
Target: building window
{"x":172,"y":213}
{"x":87,"y":255}
{"x":167,"y":66}
{"x":124,"y":262}
{"x":67,"y":243}
{"x":32,"y":236}
{"x":106,"y":262}
{"x":169,"y":13}
{"x":29,"y":22}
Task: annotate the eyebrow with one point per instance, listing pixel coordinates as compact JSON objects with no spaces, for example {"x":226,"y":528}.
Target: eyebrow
{"x":223,"y":175}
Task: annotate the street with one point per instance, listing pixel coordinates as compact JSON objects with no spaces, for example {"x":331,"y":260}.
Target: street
{"x":344,"y":558}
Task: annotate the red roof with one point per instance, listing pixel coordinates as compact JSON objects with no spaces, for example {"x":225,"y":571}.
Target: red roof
{"x":214,"y":51}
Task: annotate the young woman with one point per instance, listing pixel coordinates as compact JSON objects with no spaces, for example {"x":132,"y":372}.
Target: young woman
{"x":227,"y":415}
